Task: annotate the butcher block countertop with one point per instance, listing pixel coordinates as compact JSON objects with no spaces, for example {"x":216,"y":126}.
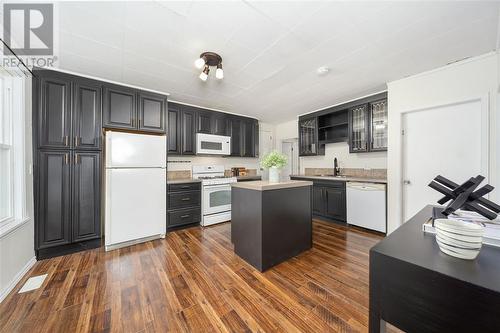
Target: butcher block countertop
{"x":264,"y":185}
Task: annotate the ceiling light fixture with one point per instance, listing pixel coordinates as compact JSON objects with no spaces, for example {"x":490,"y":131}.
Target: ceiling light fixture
{"x":323,"y":70}
{"x":207,"y":60}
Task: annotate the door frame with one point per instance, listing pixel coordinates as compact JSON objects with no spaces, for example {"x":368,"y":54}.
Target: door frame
{"x":295,"y":155}
{"x":485,"y":138}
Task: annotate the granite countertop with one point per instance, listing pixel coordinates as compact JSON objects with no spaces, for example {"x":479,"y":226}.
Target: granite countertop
{"x":264,"y":185}
{"x":249,"y":177}
{"x":346,"y":179}
{"x":183,"y":181}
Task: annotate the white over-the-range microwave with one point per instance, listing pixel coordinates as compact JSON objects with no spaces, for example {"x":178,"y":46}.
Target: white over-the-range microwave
{"x":211,"y":144}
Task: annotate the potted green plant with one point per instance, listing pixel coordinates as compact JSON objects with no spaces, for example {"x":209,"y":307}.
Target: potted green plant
{"x":274,"y":161}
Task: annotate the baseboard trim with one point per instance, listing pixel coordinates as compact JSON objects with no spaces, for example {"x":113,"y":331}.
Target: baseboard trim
{"x":17,"y":278}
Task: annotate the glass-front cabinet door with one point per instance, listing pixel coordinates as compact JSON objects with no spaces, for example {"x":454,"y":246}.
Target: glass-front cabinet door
{"x":308,"y":136}
{"x":378,"y":116}
{"x":358,"y":136}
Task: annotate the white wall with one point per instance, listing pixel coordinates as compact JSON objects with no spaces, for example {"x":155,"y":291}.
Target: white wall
{"x":467,"y":79}
{"x":17,"y":253}
{"x":376,"y":160}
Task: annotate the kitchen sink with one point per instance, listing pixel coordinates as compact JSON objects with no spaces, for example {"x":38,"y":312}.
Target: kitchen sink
{"x":326,"y":175}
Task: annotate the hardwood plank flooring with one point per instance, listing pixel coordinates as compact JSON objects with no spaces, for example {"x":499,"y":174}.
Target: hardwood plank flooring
{"x":193,"y":282}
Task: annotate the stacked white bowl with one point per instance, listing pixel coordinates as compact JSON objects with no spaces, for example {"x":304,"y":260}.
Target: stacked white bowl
{"x":458,"y":238}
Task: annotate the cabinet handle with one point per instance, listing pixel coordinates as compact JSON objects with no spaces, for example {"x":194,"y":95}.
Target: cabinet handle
{"x":66,"y":140}
{"x":77,"y":160}
{"x":133,"y":122}
{"x":184,"y":216}
{"x":185,"y":186}
{"x":77,"y":141}
{"x":139,"y":121}
{"x":186,"y":199}
{"x":66,"y":158}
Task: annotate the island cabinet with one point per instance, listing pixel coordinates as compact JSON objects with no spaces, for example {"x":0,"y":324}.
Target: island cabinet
{"x":126,"y":108}
{"x":270,"y":222}
{"x":185,"y":121}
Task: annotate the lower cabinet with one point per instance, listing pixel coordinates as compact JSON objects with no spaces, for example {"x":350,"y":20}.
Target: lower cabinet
{"x":69,"y":199}
{"x":184,"y":205}
{"x":329,"y":199}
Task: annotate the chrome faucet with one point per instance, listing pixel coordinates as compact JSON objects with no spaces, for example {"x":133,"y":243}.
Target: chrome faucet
{"x":336,"y":168}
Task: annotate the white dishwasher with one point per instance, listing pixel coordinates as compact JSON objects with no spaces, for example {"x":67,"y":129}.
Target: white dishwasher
{"x":366,"y":205}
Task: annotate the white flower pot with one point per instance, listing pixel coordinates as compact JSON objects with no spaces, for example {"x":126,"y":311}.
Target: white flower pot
{"x":274,"y":175}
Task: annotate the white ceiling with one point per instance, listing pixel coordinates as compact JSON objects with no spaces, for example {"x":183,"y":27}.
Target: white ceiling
{"x":270,"y":50}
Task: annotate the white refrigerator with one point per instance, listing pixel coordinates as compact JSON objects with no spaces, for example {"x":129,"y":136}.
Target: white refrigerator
{"x":136,"y":188}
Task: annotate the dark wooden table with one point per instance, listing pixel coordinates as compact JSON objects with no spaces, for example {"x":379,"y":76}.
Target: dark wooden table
{"x":417,"y":288}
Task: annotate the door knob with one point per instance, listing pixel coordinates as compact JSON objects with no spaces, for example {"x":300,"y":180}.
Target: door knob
{"x":406,"y":182}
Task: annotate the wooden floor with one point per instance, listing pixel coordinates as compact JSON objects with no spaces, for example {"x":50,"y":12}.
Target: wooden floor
{"x":193,"y":282}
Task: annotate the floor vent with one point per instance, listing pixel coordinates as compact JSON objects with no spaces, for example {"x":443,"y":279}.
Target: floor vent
{"x":33,"y":283}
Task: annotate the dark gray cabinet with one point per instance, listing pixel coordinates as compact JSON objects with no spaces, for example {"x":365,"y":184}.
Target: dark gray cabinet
{"x":184,"y":121}
{"x":368,"y":127}
{"x":53,"y":222}
{"x":132,"y":109}
{"x":86,"y":195}
{"x":151,"y":111}
{"x":308,"y":136}
{"x":188,"y":131}
{"x":204,"y":122}
{"x":54,"y":118}
{"x":234,"y":131}
{"x":328,"y":199}
{"x":174,"y":129}
{"x":119,"y":107}
{"x":184,"y":205}
{"x":87,"y":115}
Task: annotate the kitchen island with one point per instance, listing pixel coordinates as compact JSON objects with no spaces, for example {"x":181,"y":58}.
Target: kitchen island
{"x":271,"y":222}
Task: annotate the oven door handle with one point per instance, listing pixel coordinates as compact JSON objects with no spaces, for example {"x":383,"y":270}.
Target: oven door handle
{"x":217,"y":186}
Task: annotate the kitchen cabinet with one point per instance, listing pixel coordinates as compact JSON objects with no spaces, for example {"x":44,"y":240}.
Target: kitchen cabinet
{"x":53,"y":222}
{"x":359,"y":129}
{"x":219,"y":124}
{"x":328,"y":199}
{"x":184,"y":205}
{"x":86,"y":199}
{"x":234,"y":131}
{"x":120,"y":107}
{"x":249,"y":136}
{"x":54,"y":117}
{"x":184,"y":121}
{"x":204,"y":122}
{"x":132,"y":109}
{"x":308,"y":137}
{"x":87,"y":115}
{"x":174,"y":129}
{"x":378,"y":125}
{"x":368,"y":127}
{"x":151,"y":113}
{"x":188,"y":131}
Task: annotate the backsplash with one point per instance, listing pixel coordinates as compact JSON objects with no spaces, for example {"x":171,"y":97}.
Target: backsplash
{"x":351,"y":172}
{"x":186,"y":174}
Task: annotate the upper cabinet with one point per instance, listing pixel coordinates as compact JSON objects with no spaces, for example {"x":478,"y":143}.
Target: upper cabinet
{"x":152,"y":109}
{"x":362,"y":123}
{"x":378,"y":125}
{"x":368,"y":127}
{"x":69,"y":111}
{"x":308,"y":136}
{"x":184,"y":121}
{"x":120,"y":107}
{"x":132,"y":109}
{"x":359,"y":130}
{"x":87,"y":115}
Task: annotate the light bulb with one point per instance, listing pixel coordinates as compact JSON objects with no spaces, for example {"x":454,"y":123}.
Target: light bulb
{"x":219,"y":73}
{"x":203,"y":76}
{"x":199,"y":63}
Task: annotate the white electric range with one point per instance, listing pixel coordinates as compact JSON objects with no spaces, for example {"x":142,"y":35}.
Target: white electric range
{"x":215,"y":193}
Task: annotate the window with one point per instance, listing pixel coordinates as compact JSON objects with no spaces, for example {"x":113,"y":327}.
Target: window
{"x":12,"y":185}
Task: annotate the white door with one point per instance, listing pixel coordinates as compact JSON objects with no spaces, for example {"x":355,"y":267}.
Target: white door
{"x":135,"y":204}
{"x":448,"y":140}
{"x":290,"y":150}
{"x":135,"y":150}
{"x":266,"y":145}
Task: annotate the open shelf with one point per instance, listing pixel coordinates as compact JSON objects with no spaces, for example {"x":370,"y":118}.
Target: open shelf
{"x":334,"y":125}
